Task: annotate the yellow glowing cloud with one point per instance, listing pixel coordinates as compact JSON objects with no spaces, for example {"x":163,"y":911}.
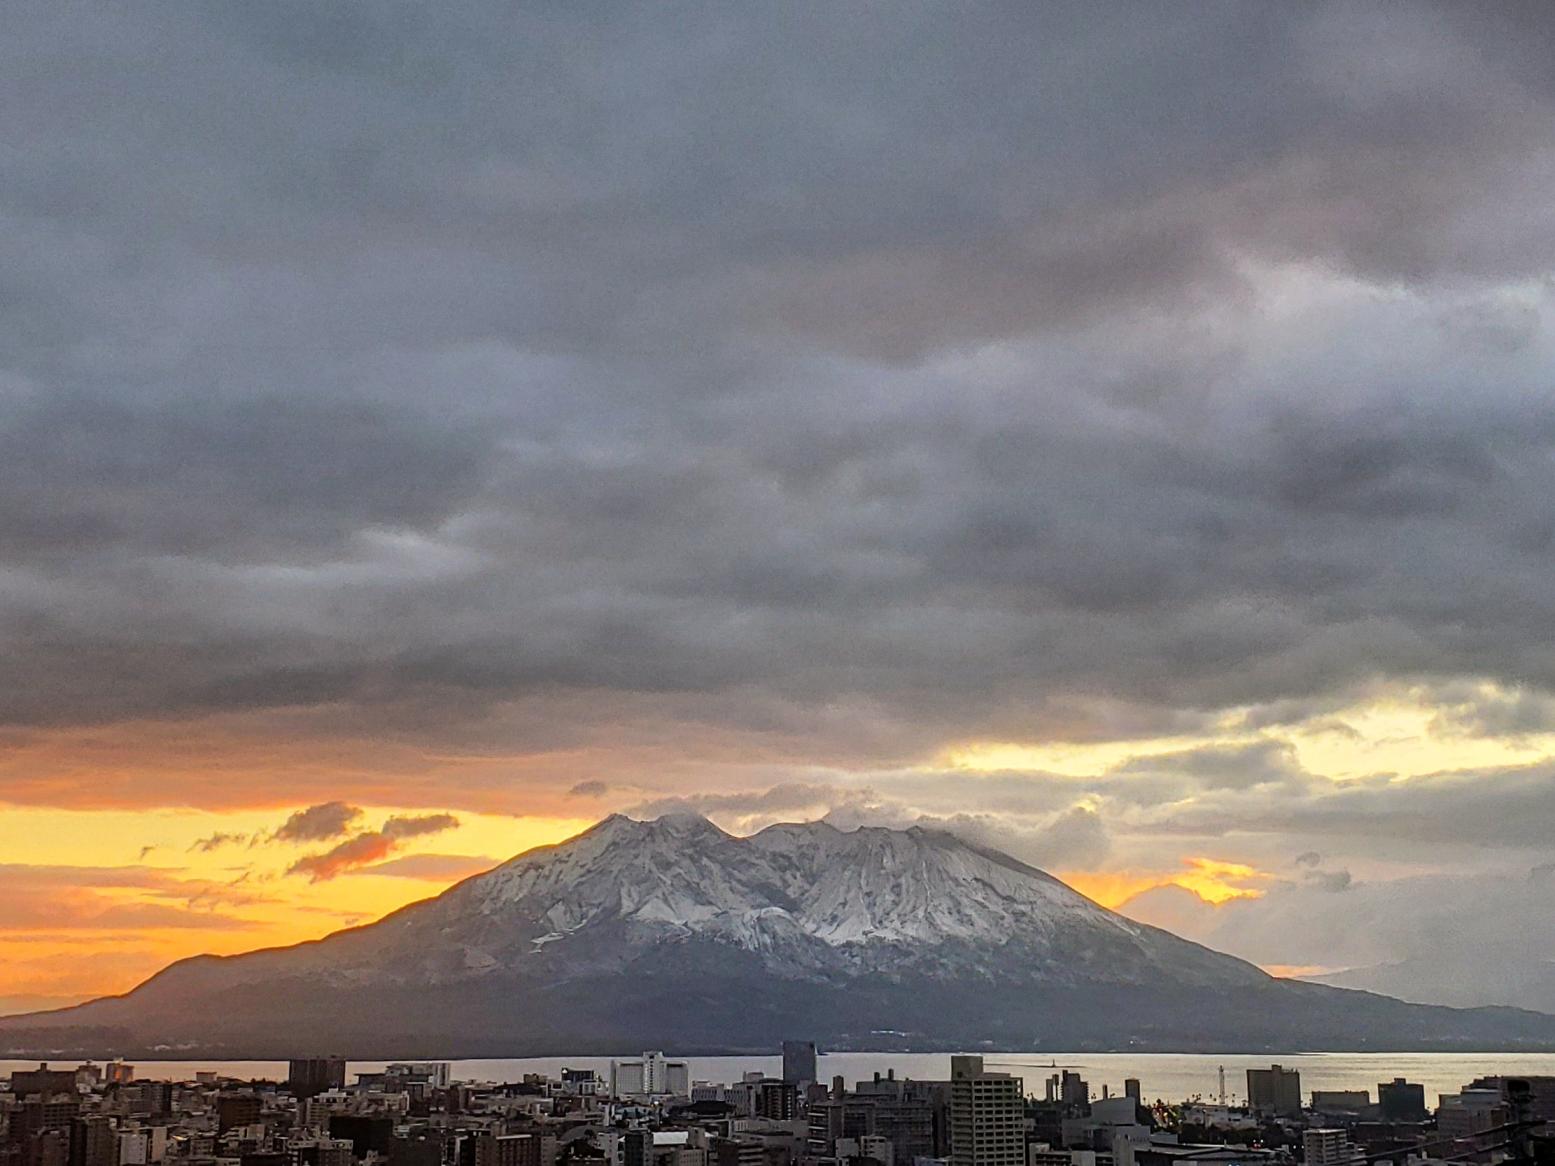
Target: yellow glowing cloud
{"x":1219,"y":882}
{"x":1399,"y":731}
{"x":1211,"y":879}
{"x":1405,"y":735}
{"x":1066,"y":759}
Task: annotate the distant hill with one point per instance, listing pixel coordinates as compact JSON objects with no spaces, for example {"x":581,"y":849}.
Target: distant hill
{"x":1460,"y":982}
{"x":674,"y":934}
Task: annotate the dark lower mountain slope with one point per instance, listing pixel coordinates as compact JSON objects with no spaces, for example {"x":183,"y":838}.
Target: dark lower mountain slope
{"x":674,"y":934}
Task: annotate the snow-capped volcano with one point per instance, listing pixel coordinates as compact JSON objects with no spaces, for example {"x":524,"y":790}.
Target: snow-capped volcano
{"x":809,"y":894}
{"x":674,"y":933}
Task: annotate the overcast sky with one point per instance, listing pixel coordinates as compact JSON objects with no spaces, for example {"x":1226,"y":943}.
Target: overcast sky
{"x":1123,"y":432}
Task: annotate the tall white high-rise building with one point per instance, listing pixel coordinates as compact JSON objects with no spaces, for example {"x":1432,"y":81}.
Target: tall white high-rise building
{"x":987,"y":1116}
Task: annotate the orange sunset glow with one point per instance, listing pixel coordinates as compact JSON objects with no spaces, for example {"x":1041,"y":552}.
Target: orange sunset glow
{"x":165,"y":884}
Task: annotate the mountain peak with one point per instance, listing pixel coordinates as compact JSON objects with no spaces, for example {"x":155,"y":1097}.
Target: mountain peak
{"x":640,"y":933}
{"x":674,"y":821}
{"x":685,"y":822}
{"x":799,"y":886}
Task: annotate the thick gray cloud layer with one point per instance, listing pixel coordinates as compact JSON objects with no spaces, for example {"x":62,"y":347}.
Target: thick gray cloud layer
{"x":960,"y":368}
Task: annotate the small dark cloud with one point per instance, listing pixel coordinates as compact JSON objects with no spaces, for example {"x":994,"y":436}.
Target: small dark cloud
{"x":318,"y":823}
{"x":1333,"y":881}
{"x":216,"y":841}
{"x":589,"y":789}
{"x":1309,"y":858}
{"x":402,"y":827}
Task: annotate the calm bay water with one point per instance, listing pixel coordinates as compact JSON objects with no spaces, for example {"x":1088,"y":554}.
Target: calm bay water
{"x":1171,"y":1076}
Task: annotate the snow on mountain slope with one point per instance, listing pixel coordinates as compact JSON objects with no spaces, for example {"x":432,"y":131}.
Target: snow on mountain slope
{"x":868,"y":885}
{"x":808,"y":898}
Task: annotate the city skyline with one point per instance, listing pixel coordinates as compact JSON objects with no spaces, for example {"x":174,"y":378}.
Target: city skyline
{"x":964,"y":1112}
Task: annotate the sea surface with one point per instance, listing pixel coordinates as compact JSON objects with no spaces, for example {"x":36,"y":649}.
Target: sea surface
{"x":1167,"y":1076}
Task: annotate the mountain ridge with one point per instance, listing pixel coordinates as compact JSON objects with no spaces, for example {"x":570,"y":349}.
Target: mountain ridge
{"x":673,"y":932}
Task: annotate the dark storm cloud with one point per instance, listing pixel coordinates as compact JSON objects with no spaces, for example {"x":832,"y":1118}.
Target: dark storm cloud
{"x":1509,"y":809}
{"x":960,"y":367}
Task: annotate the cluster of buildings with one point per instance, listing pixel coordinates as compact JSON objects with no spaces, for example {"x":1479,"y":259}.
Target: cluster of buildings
{"x":648,"y":1111}
{"x":1492,"y":1120}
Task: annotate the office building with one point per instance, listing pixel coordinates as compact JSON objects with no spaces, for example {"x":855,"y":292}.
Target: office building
{"x":93,"y":1142}
{"x":738,"y":1152}
{"x":987,"y":1115}
{"x":799,"y":1062}
{"x":839,"y":1117}
{"x":1399,"y":1100}
{"x":775,"y":1100}
{"x":434,"y":1074}
{"x":1328,"y":1147}
{"x":310,"y":1076}
{"x":43,"y":1081}
{"x":149,"y":1098}
{"x":1465,"y":1115}
{"x":513,"y":1150}
{"x":44,"y":1114}
{"x":322,"y":1152}
{"x":420,"y":1148}
{"x":146,"y":1146}
{"x":1275,"y":1090}
{"x":654,"y":1075}
{"x":45,"y":1148}
{"x":1340,"y":1101}
{"x":1526,"y":1098}
{"x":367,"y":1133}
{"x":236,"y":1110}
